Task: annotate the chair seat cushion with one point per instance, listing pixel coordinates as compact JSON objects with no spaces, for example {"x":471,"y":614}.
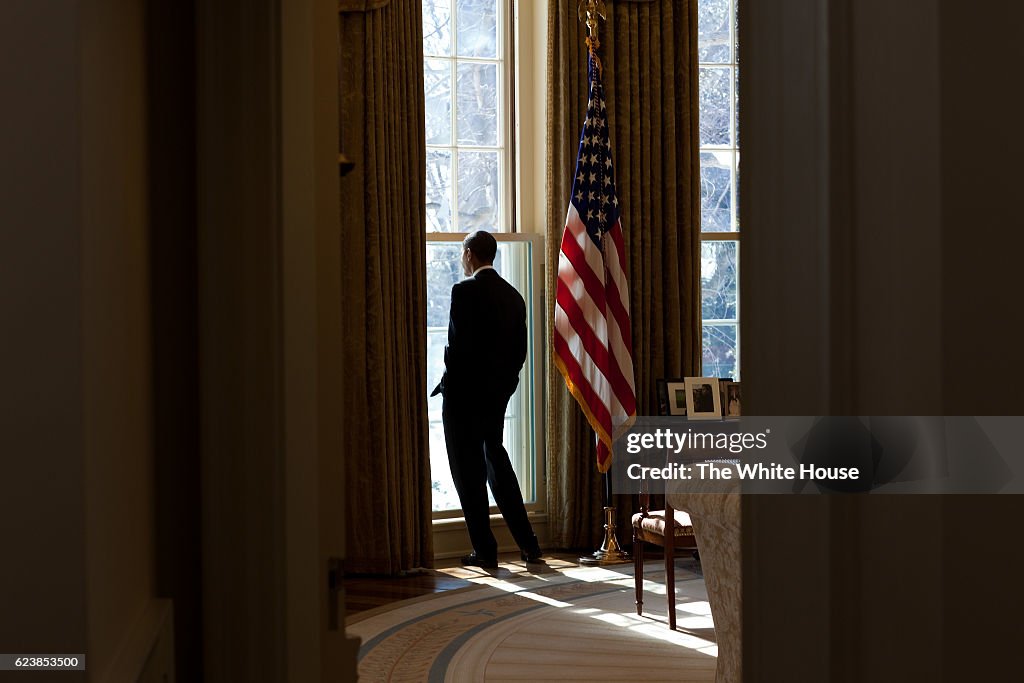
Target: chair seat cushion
{"x":654,"y":523}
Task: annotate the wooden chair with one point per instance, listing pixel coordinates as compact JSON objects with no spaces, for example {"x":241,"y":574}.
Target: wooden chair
{"x":649,"y":527}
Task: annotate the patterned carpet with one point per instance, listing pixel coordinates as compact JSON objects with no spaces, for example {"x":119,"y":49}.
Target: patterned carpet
{"x":559,"y":622}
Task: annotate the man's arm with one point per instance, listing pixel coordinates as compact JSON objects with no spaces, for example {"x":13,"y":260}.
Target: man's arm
{"x":456,"y":354}
{"x":521,"y":341}
{"x":516,"y":346}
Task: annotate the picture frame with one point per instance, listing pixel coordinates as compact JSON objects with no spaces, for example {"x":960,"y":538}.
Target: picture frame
{"x":661,"y":391}
{"x":732,"y":406}
{"x":703,"y":398}
{"x":675,"y":396}
{"x":723,"y":387}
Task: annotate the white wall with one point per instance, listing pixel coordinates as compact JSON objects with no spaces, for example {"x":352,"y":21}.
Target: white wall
{"x":531,"y":133}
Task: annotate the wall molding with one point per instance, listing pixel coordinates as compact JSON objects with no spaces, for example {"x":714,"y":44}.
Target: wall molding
{"x":452,"y":540}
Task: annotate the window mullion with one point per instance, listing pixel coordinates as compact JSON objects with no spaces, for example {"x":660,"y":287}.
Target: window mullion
{"x":454,"y":75}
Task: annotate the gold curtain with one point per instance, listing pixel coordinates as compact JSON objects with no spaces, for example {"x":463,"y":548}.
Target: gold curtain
{"x":387,"y":464}
{"x":649,"y":53}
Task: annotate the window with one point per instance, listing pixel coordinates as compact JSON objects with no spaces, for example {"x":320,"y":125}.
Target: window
{"x":719,"y":175}
{"x":466,"y":63}
{"x":467,"y":114}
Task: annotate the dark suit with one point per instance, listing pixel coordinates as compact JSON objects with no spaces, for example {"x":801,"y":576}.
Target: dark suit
{"x":486,"y":350}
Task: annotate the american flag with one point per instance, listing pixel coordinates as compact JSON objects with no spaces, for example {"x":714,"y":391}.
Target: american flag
{"x":592,"y":338}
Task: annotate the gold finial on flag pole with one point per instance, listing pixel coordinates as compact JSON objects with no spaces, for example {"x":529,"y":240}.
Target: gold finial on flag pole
{"x":590,"y":11}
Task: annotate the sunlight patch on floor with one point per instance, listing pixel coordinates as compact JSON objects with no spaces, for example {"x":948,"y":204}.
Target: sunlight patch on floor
{"x":522,"y":579}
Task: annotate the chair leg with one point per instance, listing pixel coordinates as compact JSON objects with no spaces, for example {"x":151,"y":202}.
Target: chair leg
{"x":638,"y":573}
{"x":670,"y":579}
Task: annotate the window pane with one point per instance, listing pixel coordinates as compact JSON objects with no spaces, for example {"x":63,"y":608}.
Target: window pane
{"x":437,"y":32}
{"x":716,"y":191}
{"x":478,"y":191}
{"x":713,"y":19}
{"x":477,"y":114}
{"x":718,"y":280}
{"x":513,"y":262}
{"x":715,"y":112}
{"x":437,"y":337}
{"x":443,"y":494}
{"x":437,"y":89}
{"x":720,"y":352}
{"x":444,"y":269}
{"x":439,"y":191}
{"x":477,"y":28}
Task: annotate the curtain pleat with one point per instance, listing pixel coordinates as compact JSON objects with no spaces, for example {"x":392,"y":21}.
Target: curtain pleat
{"x":649,"y":53}
{"x":387,"y":464}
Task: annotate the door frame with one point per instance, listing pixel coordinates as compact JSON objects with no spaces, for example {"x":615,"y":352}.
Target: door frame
{"x":270,"y":316}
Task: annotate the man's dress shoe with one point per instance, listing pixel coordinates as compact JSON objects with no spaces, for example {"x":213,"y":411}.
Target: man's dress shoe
{"x":474,"y":560}
{"x":532,"y":556}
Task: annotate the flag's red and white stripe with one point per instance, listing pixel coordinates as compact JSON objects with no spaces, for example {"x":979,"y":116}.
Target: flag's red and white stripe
{"x":592,"y":338}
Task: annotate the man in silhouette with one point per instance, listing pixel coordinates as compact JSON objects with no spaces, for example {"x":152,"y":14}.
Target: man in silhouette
{"x":486,"y":350}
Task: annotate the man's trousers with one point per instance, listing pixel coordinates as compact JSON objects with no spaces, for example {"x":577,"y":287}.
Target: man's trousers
{"x":473,"y":431}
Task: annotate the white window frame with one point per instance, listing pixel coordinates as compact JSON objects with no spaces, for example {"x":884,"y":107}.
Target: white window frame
{"x":507,"y":222}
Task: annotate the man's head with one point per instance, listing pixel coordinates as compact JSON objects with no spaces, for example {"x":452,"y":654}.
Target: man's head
{"x":478,"y":250}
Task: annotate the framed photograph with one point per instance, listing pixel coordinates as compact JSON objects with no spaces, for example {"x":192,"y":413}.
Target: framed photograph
{"x":662,"y":391}
{"x":733,"y":400}
{"x":723,"y":387}
{"x":703,"y":400}
{"x":675,"y":391}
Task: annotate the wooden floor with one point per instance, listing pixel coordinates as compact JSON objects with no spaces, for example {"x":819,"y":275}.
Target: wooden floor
{"x":370,"y":592}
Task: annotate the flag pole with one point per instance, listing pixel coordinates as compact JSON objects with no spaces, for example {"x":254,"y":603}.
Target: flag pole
{"x":610,"y":552}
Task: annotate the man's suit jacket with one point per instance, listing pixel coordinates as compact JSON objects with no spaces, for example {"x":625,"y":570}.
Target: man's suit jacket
{"x":486,"y":339}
